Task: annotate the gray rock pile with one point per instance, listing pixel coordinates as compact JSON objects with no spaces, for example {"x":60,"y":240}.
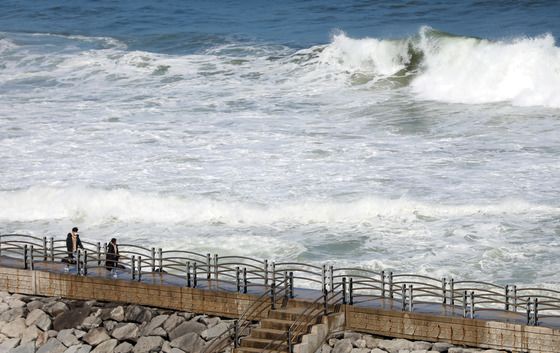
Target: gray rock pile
{"x":352,"y":342}
{"x":52,"y":325}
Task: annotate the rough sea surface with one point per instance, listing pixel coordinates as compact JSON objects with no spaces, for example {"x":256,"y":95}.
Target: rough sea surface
{"x":412,"y":136}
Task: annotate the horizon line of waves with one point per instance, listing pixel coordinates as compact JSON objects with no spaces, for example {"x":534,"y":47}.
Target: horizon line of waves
{"x":97,"y":206}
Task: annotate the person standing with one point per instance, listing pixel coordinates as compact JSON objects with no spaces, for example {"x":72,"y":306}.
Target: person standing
{"x":73,"y":242}
{"x":112,"y":257}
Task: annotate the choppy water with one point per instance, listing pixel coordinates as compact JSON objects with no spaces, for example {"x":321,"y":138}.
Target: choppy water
{"x":411,"y":136}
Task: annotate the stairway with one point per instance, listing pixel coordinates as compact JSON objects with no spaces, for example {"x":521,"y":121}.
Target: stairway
{"x":273,"y":330}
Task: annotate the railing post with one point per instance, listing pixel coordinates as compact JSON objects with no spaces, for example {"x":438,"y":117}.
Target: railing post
{"x":514,"y":297}
{"x":529,"y":321}
{"x":216,"y":267}
{"x":444,"y":290}
{"x":195,"y":276}
{"x":160,"y":253}
{"x":343,"y":290}
{"x":331,"y":274}
{"x":265,"y":268}
{"x":411,"y":299}
{"x":245,"y":280}
{"x":98,"y":254}
{"x":506,"y":295}
{"x":351,"y":291}
{"x":139,"y":268}
{"x":325,"y":304}
{"x":391,"y":285}
{"x":286,"y":285}
{"x":273,"y":296}
{"x":452,"y":292}
{"x":464,"y":303}
{"x":472,"y":305}
{"x":238,"y":279}
{"x":273,"y":271}
{"x":324,"y":277}
{"x":31,"y":265}
{"x":45,"y":249}
{"x":208,"y":265}
{"x":235,"y":333}
{"x":78,"y":262}
{"x":383,"y":284}
{"x":153,"y":259}
{"x":105,"y":253}
{"x":25,"y":257}
{"x":291,"y":285}
{"x":187,"y":272}
{"x":536,"y":312}
{"x":290,"y":348}
{"x":133,"y":267}
{"x":85,"y":262}
{"x":403,"y":296}
{"x":52,"y":249}
{"x":0,"y":245}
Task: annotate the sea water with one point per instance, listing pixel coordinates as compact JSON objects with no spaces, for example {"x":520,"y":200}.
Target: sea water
{"x":411,"y":136}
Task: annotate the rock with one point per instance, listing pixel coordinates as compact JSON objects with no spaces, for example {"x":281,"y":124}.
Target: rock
{"x":210,"y":321}
{"x":15,"y":328}
{"x":28,"y":347}
{"x":176,"y":350}
{"x":377,"y":350}
{"x":370,"y":341}
{"x":96,"y":336}
{"x":71,"y":318}
{"x":325,"y":348}
{"x":42,"y":338}
{"x":124,"y":332}
{"x":360,"y":350}
{"x":159,"y":331}
{"x":214,"y":331}
{"x":35,"y":304}
{"x":172,"y":322}
{"x":16,"y":303}
{"x":139,"y":314}
{"x":79,"y":333}
{"x":342,"y":346}
{"x":117,"y":314}
{"x":148,"y":344}
{"x":353,"y":336}
{"x":124,"y":347}
{"x":9,"y":344}
{"x":38,"y":318}
{"x":188,"y":316}
{"x":30,"y":334}
{"x":332,"y":341}
{"x":4,"y":307}
{"x":361,"y":343}
{"x":190,"y":342}
{"x":80,"y":348}
{"x":52,"y":333}
{"x":11,"y":314}
{"x":155,"y":323}
{"x":396,"y":345}
{"x":441,"y":346}
{"x":421,"y":346}
{"x":106,"y":347}
{"x":52,"y":346}
{"x":186,"y":327}
{"x":67,"y":338}
{"x":55,"y":308}
{"x":166,"y":347}
{"x":109,"y":325}
{"x":91,"y":322}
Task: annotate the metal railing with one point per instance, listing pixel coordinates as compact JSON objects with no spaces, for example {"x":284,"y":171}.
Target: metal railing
{"x":473,"y":299}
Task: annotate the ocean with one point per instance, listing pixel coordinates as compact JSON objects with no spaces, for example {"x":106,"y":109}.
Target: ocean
{"x":409,"y":136}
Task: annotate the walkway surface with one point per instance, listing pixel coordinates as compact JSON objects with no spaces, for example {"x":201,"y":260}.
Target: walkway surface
{"x":299,"y":293}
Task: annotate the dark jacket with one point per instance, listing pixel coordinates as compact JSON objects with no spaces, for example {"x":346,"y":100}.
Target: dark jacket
{"x":69,"y":243}
{"x":112,"y":256}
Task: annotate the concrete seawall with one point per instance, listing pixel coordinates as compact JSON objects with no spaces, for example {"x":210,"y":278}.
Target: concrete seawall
{"x":390,"y":323}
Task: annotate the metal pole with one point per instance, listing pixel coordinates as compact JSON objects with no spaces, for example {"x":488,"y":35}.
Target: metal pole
{"x":160,"y":251}
{"x":331,"y":273}
{"x":44,"y":248}
{"x":452,"y":292}
{"x":266,"y":273}
{"x":290,"y":348}
{"x":216,"y":267}
{"x":528,"y":311}
{"x":464,"y":303}
{"x":411,"y":299}
{"x":286,"y":285}
{"x":472,"y":305}
{"x":514,"y":297}
{"x":237,"y":279}
{"x":536,"y":312}
{"x":291,"y":284}
{"x":273,"y":272}
{"x":133,"y":267}
{"x":391,"y":285}
{"x":383,"y":284}
{"x":351,"y":291}
{"x":444,"y":290}
{"x":273,"y":296}
{"x":153,"y":259}
{"x":403,"y":295}
{"x":324,"y":278}
{"x":235,"y":333}
{"x":105,"y":255}
{"x":187,"y":272}
{"x":78,"y":262}
{"x":325,"y":306}
{"x":208,"y":265}
{"x":98,"y":254}
{"x":52,"y":249}
{"x":31,"y":259}
{"x":194,"y":275}
{"x":85,"y":262}
{"x":343,"y":290}
{"x":506,"y":297}
{"x":139,"y":268}
{"x":245,"y":280}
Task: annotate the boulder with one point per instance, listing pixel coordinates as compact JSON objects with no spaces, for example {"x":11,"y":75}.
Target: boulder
{"x":4,"y":307}
{"x":28,"y":347}
{"x":421,"y":346}
{"x":55,"y":308}
{"x":342,"y":346}
{"x":67,"y":338}
{"x":124,"y":347}
{"x":137,"y":313}
{"x":210,"y":321}
{"x":360,"y":350}
{"x":52,"y":346}
{"x":117,"y":314}
{"x":190,"y":342}
{"x":71,"y":318}
{"x":441,"y":346}
{"x":11,"y":314}
{"x":80,"y":348}
{"x":125,"y":331}
{"x":38,"y":318}
{"x":35,"y":304}
{"x":96,"y":336}
{"x":79,"y":333}
{"x":52,"y":333}
{"x":156,"y":322}
{"x":9,"y":344}
{"x":14,"y":329}
{"x":325,"y":348}
{"x":214,"y":331}
{"x":148,"y":344}
{"x":109,"y":325}
{"x":42,"y":338}
{"x":186,"y":327}
{"x":106,"y":347}
{"x":370,"y":341}
{"x":30,"y":334}
{"x":172,"y":322}
{"x":159,"y":331}
{"x":91,"y":322}
{"x":16,"y":303}
{"x":352,"y":336}
{"x":377,"y":350}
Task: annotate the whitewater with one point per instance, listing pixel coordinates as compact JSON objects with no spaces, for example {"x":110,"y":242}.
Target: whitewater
{"x":434,"y":153}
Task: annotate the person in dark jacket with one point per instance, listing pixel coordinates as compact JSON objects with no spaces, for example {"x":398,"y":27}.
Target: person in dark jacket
{"x":112,"y":256}
{"x":73,"y":242}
